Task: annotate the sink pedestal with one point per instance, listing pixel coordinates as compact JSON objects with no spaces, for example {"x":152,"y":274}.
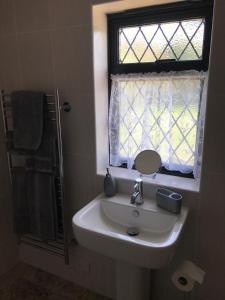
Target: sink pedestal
{"x":132,"y":282}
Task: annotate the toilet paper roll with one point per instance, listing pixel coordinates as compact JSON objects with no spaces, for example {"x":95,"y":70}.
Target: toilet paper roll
{"x":182,"y":282}
{"x":186,"y":275}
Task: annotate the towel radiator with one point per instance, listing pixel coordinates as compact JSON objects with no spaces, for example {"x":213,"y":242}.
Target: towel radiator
{"x":58,"y":246}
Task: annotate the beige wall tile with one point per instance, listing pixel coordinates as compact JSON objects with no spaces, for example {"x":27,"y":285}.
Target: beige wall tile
{"x":217,"y":71}
{"x":73,"y":59}
{"x":210,"y":244}
{"x":79,"y":181}
{"x":78,"y":125}
{"x":69,"y":12}
{"x":7,"y":17}
{"x":35,"y":54}
{"x":214,"y":144}
{"x":31,"y":15}
{"x":212,"y":210}
{"x":9,"y":63}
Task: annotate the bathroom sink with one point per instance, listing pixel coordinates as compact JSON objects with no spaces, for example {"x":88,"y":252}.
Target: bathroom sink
{"x":102,"y":226}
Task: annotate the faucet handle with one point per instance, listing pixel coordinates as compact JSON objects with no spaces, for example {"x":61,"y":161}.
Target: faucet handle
{"x":137,"y":196}
{"x":136,"y":187}
{"x":139,"y":184}
{"x":138,"y":180}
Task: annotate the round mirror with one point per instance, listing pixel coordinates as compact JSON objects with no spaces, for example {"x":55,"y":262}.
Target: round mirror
{"x":148,"y":162}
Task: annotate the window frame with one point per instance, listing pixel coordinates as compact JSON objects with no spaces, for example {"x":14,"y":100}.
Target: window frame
{"x":159,"y":14}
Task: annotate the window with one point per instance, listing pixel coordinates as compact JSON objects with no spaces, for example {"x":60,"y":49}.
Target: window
{"x":158,"y":62}
{"x":175,"y":41}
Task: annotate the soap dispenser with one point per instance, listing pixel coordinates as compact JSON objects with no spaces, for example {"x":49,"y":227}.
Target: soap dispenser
{"x":109,"y":185}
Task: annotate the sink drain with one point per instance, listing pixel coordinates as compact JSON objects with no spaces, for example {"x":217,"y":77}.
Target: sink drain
{"x":133,"y":231}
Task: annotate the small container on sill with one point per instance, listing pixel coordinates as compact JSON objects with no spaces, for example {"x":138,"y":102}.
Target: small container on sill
{"x":169,"y":200}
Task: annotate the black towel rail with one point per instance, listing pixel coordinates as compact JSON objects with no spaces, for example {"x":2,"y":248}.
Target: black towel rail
{"x":58,"y":246}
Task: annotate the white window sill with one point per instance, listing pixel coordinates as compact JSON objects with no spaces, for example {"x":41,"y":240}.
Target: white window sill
{"x":162,"y":180}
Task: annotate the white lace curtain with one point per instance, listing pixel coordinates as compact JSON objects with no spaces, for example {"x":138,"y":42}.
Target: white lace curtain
{"x":163,"y":112}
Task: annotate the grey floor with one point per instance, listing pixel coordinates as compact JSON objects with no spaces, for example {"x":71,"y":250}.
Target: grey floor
{"x":27,"y":283}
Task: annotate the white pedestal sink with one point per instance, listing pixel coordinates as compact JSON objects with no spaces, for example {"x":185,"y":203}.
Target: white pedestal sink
{"x":102,"y":227}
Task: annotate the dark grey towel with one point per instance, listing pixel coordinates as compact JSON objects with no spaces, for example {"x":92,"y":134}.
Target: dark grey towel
{"x":20,"y":205}
{"x":28,"y":119}
{"x":41,"y":204}
{"x":12,"y":149}
{"x":45,"y":158}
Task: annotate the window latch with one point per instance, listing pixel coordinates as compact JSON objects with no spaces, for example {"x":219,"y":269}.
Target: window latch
{"x":163,"y":61}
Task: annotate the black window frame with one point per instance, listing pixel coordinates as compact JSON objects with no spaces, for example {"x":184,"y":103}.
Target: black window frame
{"x":159,"y":14}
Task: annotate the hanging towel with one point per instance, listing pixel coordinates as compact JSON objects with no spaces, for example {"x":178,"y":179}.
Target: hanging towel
{"x":45,"y":158}
{"x":12,"y":149}
{"x":28,"y":119}
{"x":20,"y":205}
{"x":41,"y":205}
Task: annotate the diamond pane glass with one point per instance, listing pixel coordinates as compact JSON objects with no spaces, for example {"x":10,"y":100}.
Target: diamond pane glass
{"x":198,"y":38}
{"x":180,"y":41}
{"x":169,"y":29}
{"x":189,"y":53}
{"x":158,"y":44}
{"x":124,"y":47}
{"x":130,"y":57}
{"x":139,"y":45}
{"x":149,"y":31}
{"x":191,"y":27}
{"x":148,"y":56}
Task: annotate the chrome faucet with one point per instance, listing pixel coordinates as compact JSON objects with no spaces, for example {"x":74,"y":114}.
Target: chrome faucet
{"x":137,"y":196}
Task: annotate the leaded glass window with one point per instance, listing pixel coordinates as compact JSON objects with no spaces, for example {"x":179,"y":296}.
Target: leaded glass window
{"x":158,"y":63}
{"x":179,"y":41}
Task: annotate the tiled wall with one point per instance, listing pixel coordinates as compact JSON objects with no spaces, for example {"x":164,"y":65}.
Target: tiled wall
{"x":211,"y":216}
{"x":46,"y":44}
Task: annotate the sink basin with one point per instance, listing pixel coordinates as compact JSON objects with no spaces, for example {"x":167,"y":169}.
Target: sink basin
{"x":102,"y":226}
